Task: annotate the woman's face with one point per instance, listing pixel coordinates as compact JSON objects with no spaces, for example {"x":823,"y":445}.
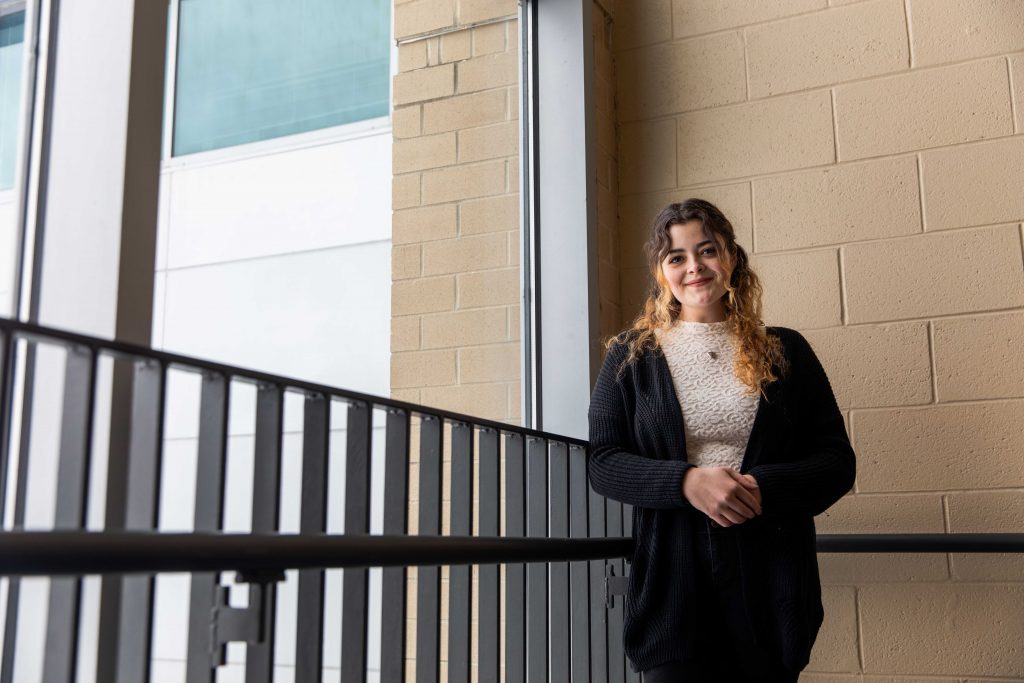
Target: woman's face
{"x":694,"y":273}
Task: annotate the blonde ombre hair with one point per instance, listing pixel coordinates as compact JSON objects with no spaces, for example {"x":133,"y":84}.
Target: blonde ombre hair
{"x":758,"y":354}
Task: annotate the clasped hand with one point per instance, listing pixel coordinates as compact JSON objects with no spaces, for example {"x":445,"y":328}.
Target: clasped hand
{"x":723,"y":494}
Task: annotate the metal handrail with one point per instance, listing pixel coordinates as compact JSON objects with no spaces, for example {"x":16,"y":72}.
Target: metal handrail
{"x":78,"y":553}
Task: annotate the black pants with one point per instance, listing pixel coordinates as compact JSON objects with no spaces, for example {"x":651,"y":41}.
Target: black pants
{"x":725,"y":640}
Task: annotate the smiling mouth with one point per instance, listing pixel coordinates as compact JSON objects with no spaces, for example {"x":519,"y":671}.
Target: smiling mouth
{"x":697,"y":283}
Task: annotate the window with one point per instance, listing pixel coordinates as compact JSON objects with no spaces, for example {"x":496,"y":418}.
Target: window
{"x":12,"y":38}
{"x":250,"y":70}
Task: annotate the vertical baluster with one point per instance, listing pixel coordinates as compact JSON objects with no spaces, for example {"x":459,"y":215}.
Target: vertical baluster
{"x":393,"y":579}
{"x":599,"y":633}
{"x":211,"y":458}
{"x":72,"y":489}
{"x":357,"y":522}
{"x":488,"y":601}
{"x":536,"y":572}
{"x":428,"y":582}
{"x":266,"y":504}
{"x":145,"y":448}
{"x":515,"y":574}
{"x":558,"y":592}
{"x":459,"y":588}
{"x":616,"y":659}
{"x":627,"y":531}
{"x":8,"y":342}
{"x":309,"y":632}
{"x":579,"y":583}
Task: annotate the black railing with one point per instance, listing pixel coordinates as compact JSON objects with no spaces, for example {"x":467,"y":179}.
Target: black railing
{"x":503,"y":481}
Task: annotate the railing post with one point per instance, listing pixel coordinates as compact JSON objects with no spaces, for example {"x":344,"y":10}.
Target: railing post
{"x":488,"y":599}
{"x":515,"y":574}
{"x":357,"y":522}
{"x":393,"y":579}
{"x":536,"y":573}
{"x":428,"y":579}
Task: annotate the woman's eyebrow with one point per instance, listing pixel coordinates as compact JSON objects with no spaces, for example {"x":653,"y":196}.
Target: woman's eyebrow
{"x":680,"y":249}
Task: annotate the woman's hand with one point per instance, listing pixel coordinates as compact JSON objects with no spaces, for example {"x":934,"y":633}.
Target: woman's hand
{"x":721,"y":493}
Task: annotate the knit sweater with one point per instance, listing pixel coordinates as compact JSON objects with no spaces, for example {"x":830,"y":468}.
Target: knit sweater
{"x":719,"y":408}
{"x":800,"y":455}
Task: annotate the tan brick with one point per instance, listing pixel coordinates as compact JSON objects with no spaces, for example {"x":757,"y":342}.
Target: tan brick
{"x":682,"y":76}
{"x":490,"y":71}
{"x":838,"y":569}
{"x":414,"y":18}
{"x":801,"y":290}
{"x":915,"y":110}
{"x":979,"y":357}
{"x":472,"y":11}
{"x":408,"y":395}
{"x":987,"y":567}
{"x":405,"y":261}
{"x":974,"y":184}
{"x":872,"y":366}
{"x":489,"y":363}
{"x":423,"y":224}
{"x":464,"y":111}
{"x":955,"y":30}
{"x":418,"y":369}
{"x":513,"y":248}
{"x":454,"y":47}
{"x":493,"y":214}
{"x":942,"y":629}
{"x":428,"y":151}
{"x":644,"y":24}
{"x":842,"y":44}
{"x":465,"y":328}
{"x":934,"y":274}
{"x":939,"y":447}
{"x":463,"y":182}
{"x":881,"y":514}
{"x":488,"y":288}
{"x":405,"y":122}
{"x":514,"y":323}
{"x":986,"y":512}
{"x":838,"y":204}
{"x":690,"y":17}
{"x":477,"y":252}
{"x":512,"y":174}
{"x":423,"y":295}
{"x":412,"y":55}
{"x":648,"y":161}
{"x":405,"y":191}
{"x":405,"y":333}
{"x":424,"y":84}
{"x":489,"y":142}
{"x":488,"y":39}
{"x":780,"y":134}
{"x":835,"y":648}
{"x":489,"y":401}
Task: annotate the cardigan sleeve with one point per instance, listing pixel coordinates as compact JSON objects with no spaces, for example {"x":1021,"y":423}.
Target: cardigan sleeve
{"x":811,"y":484}
{"x":615,"y":469}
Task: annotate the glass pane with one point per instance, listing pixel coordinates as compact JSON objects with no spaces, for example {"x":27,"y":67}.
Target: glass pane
{"x":12,"y":47}
{"x":253,"y":70}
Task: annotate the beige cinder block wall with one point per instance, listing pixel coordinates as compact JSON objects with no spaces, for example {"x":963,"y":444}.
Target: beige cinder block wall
{"x":871,"y":156}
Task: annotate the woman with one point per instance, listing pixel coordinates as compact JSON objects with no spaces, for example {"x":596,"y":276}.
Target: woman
{"x":726,"y":439}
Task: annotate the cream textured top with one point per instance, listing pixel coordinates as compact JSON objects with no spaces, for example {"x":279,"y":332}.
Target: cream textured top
{"x":718,"y":413}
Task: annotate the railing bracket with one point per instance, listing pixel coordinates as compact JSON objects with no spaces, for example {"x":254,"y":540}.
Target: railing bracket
{"x":248,"y":624}
{"x":613,"y":585}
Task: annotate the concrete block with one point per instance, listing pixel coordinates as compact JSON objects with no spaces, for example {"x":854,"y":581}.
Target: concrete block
{"x":883,"y":514}
{"x":692,"y":17}
{"x":428,"y":151}
{"x":489,"y":363}
{"x":644,"y":23}
{"x":488,"y":288}
{"x":490,"y":38}
{"x":801,"y":290}
{"x":934,"y":274}
{"x":843,"y":569}
{"x":418,"y":369}
{"x":779,"y":134}
{"x":465,"y":328}
{"x":423,"y":224}
{"x":974,"y":184}
{"x":979,"y":357}
{"x":464,"y":111}
{"x":486,"y":400}
{"x":405,"y":191}
{"x":871,"y":366}
{"x":965,"y":446}
{"x":414,"y":18}
{"x":456,"y":46}
{"x":424,"y":84}
{"x":405,"y":122}
{"x":412,"y":56}
{"x":682,"y":76}
{"x":942,"y":629}
{"x":472,"y":11}
{"x":423,"y":295}
{"x":489,"y":71}
{"x":464,"y":254}
{"x":914,"y":111}
{"x":843,"y":203}
{"x":405,"y":333}
{"x":405,"y":261}
{"x":489,"y":142}
{"x":492,"y":214}
{"x":463,"y":182}
{"x":956,"y":30}
{"x":648,"y":156}
{"x":835,"y":648}
{"x":824,"y":48}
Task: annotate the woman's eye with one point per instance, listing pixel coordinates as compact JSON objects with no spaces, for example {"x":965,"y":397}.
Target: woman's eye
{"x":673,"y":259}
{"x":709,"y":250}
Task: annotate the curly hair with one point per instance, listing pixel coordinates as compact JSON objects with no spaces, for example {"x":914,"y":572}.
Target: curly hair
{"x":756,"y":351}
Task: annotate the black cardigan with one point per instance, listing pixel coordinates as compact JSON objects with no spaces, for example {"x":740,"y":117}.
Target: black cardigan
{"x":798,"y":452}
